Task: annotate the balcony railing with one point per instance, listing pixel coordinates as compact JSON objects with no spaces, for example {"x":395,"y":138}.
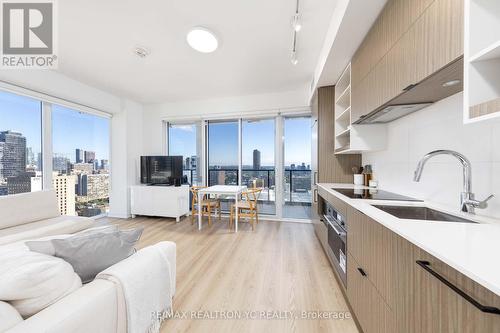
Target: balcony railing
{"x":297,"y":185}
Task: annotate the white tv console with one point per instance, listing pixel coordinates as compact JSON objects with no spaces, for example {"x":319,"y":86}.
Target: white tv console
{"x":164,"y":201}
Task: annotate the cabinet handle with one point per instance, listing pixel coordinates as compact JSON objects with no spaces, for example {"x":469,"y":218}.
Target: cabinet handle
{"x":484,"y":308}
{"x":361,"y":271}
{"x":410,"y":87}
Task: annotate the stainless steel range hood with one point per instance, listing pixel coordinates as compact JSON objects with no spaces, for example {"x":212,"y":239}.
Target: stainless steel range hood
{"x":419,"y":96}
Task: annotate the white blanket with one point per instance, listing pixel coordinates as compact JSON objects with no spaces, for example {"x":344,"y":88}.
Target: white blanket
{"x":145,"y":282}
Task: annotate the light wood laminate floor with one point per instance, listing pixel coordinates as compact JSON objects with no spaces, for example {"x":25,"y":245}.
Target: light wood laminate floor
{"x":278,"y":267}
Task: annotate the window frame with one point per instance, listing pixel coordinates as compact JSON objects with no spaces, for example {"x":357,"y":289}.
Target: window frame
{"x":47,"y":101}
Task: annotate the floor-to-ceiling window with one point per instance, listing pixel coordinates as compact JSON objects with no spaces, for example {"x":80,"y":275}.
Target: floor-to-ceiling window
{"x":258,"y":160}
{"x":184,"y":140}
{"x":297,"y":167}
{"x":271,"y":153}
{"x":80,"y":162}
{"x":223,"y":152}
{"x":20,"y":144}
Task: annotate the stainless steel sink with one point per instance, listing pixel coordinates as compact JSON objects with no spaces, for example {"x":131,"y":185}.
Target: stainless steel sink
{"x":421,"y":213}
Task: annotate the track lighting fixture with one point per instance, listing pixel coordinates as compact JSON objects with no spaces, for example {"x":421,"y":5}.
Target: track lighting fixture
{"x":296,"y":25}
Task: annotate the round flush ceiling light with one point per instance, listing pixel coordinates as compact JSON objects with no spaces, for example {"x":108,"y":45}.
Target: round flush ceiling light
{"x":202,"y":40}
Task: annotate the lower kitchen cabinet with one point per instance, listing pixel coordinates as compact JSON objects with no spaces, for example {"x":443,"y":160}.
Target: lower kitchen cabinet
{"x":439,"y":308}
{"x":371,"y":311}
{"x":372,"y":246}
{"x":394,"y":286}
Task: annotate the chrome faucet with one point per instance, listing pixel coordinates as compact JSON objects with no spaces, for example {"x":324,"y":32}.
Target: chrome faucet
{"x":467,"y":200}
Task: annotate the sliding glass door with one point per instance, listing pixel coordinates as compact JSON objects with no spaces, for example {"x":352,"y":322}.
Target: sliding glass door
{"x":258,"y":160}
{"x":223,"y":152}
{"x":270,"y":153}
{"x":297,"y":167}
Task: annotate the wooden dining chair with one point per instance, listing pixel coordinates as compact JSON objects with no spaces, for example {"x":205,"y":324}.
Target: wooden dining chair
{"x":247,"y":207}
{"x":207,"y":204}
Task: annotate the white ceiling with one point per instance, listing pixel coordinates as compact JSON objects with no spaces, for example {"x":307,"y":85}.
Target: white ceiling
{"x":97,"y":38}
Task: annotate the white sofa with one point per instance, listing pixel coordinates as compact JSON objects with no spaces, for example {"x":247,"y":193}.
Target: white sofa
{"x":97,"y":307}
{"x":36,"y":214}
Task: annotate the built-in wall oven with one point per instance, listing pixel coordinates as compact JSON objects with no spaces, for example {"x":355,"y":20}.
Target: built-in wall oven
{"x":337,"y":239}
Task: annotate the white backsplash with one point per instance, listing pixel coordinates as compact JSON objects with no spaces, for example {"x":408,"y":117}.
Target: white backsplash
{"x":440,"y":126}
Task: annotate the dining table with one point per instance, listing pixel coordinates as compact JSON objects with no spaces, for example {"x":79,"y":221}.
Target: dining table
{"x":218,"y":190}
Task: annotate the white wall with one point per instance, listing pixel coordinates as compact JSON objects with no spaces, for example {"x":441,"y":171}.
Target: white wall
{"x":440,"y":127}
{"x":126,"y":125}
{"x":126,"y":149}
{"x":238,"y":106}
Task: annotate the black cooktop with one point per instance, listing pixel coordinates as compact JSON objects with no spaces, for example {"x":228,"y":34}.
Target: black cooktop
{"x":373,"y":194}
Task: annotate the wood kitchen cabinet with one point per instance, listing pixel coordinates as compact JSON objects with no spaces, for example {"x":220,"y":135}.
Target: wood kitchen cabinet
{"x":395,"y":19}
{"x":438,"y":36}
{"x":325,"y":165}
{"x":438,"y":308}
{"x":409,"y":41}
{"x":371,"y":311}
{"x":390,"y":292}
{"x":372,"y":246}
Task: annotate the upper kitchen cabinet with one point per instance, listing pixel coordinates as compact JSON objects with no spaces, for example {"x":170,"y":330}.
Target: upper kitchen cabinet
{"x":350,"y":138}
{"x":482,"y":60}
{"x":408,"y":59}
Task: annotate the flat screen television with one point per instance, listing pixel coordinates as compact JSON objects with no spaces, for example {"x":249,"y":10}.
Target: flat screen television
{"x":161,"y":170}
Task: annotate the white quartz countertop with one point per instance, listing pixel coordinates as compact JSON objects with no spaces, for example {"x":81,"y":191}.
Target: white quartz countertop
{"x":473,"y":249}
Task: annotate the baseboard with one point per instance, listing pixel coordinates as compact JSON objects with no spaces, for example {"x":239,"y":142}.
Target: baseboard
{"x":119,"y":216}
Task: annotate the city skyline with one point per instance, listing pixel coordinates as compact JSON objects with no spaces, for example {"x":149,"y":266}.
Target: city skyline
{"x":256,"y":135}
{"x":70,"y":128}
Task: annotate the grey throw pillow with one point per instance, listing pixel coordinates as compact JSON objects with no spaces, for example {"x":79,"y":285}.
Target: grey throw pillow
{"x":46,"y":246}
{"x":91,"y":253}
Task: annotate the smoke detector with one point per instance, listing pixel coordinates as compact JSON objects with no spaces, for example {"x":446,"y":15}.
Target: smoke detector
{"x":141,"y":52}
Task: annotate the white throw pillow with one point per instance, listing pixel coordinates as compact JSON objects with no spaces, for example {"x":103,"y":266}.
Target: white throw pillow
{"x":9,"y":317}
{"x":32,"y":281}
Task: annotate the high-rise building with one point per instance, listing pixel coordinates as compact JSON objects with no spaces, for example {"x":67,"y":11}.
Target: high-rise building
{"x":104,"y":165}
{"x":86,"y":168}
{"x":79,"y":155}
{"x":2,"y":145}
{"x":93,"y":187}
{"x":187,"y":163}
{"x":30,"y":157}
{"x":4,"y":190}
{"x":81,"y":185}
{"x":65,"y":191}
{"x":13,"y":156}
{"x":20,"y":183}
{"x":39,"y":162}
{"x":256,"y":159}
{"x":193,"y":162}
{"x":60,"y":164}
{"x":89,"y":157}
